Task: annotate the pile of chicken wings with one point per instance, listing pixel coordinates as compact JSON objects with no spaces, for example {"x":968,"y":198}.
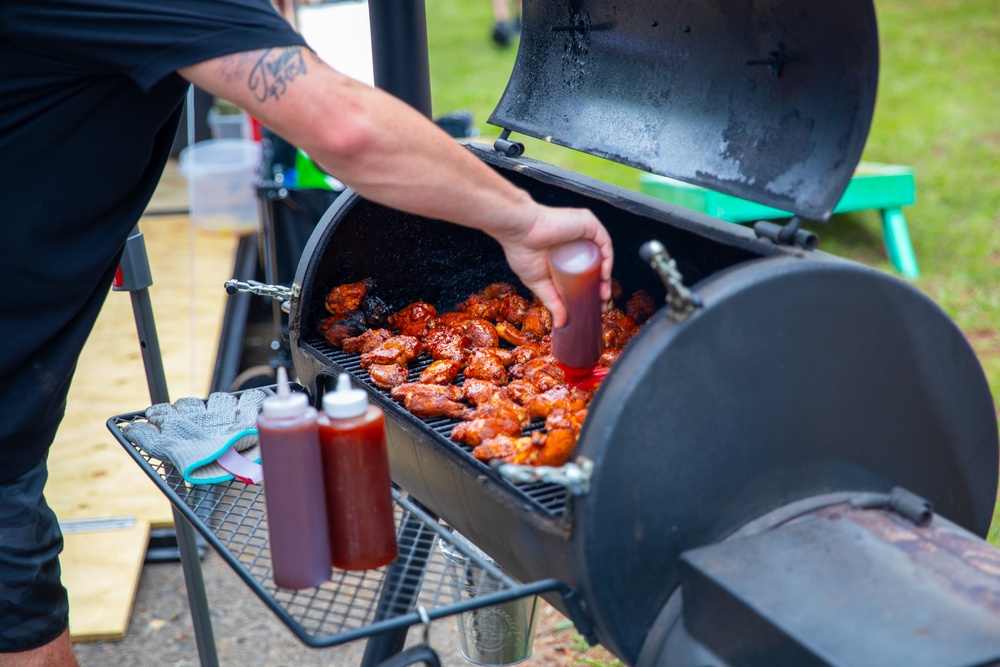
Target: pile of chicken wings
{"x":498,"y":343}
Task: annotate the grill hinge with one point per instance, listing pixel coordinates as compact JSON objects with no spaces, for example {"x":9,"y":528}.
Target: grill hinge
{"x":279,"y":293}
{"x":681,"y":301}
{"x":504,"y":145}
{"x":573,"y":476}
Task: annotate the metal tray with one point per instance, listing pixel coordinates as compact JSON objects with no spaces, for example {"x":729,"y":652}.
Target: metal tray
{"x":351,"y":605}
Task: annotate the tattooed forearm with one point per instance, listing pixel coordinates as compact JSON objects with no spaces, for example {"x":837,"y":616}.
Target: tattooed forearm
{"x":274,"y":71}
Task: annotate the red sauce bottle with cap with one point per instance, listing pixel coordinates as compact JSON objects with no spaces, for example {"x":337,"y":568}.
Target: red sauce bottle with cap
{"x":576,"y":272}
{"x":356,"y":476}
{"x":293,"y":489}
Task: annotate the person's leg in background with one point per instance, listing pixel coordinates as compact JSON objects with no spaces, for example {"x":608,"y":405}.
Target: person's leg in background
{"x":34,"y":607}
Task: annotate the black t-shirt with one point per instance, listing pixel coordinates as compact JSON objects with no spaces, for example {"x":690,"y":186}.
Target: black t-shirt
{"x":89,"y":105}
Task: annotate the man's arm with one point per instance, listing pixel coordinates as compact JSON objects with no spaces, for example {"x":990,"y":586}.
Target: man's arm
{"x":391,"y":154}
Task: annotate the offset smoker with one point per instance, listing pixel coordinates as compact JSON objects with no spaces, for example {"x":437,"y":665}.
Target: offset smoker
{"x":765,"y":431}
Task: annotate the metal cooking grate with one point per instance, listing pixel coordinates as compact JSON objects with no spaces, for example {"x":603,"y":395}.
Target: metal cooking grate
{"x":351,"y":605}
{"x":547,"y":498}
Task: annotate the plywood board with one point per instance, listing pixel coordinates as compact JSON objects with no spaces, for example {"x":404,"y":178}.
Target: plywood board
{"x":101,"y":572}
{"x":90,"y":475}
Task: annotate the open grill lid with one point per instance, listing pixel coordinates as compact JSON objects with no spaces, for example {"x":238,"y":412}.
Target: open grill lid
{"x":770,"y":101}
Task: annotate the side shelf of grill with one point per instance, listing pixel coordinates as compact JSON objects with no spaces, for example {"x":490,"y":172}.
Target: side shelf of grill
{"x":351,"y":605}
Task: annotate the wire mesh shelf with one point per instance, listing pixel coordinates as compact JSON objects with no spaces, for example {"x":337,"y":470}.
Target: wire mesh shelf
{"x":351,"y":605}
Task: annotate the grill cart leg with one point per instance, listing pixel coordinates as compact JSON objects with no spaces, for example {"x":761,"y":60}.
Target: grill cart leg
{"x":400,"y":588}
{"x":134,"y":277}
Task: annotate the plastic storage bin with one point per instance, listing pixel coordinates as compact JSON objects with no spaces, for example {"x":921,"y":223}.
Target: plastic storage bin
{"x":221,"y":176}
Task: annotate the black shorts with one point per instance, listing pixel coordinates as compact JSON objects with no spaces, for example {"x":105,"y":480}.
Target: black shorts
{"x":34,"y":608}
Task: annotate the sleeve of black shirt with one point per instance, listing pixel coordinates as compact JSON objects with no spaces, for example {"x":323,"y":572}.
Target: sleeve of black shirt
{"x":145,"y":40}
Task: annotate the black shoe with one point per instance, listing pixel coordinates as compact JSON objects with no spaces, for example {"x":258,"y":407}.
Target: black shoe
{"x":502,"y":33}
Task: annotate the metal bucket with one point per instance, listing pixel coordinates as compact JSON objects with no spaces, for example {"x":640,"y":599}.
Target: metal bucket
{"x":501,"y":634}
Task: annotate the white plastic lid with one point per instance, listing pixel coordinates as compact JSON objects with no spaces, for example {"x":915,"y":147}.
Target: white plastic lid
{"x":287,"y":403}
{"x":346,"y":401}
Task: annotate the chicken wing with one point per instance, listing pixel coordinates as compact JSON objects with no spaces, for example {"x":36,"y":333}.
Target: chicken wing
{"x":486,"y":364}
{"x":414,"y":319}
{"x":345,"y":299}
{"x":396,"y":350}
{"x":430,"y":404}
{"x":617,"y":328}
{"x":449,"y":391}
{"x":481,"y":333}
{"x":640,"y":307}
{"x":476,"y":431}
{"x":476,"y":391}
{"x":388,"y":376}
{"x":537,"y":322}
{"x":512,"y":309}
{"x":502,"y":447}
{"x":446,"y":342}
{"x":367,"y":341}
{"x":442,"y":371}
{"x":479,"y":306}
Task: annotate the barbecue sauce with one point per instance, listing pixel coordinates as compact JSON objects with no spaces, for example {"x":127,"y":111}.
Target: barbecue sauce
{"x":577,"y":346}
{"x":293,"y":491}
{"x":356,"y":475}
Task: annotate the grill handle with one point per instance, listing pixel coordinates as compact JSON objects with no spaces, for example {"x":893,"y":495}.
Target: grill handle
{"x":279,"y":293}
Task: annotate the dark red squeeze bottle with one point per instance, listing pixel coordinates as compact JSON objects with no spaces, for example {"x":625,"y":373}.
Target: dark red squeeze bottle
{"x":356,"y":475}
{"x":293,"y":489}
{"x":577,"y":346}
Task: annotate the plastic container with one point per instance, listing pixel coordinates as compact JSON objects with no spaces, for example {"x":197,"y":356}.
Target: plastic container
{"x":229,"y":125}
{"x":576,"y":272}
{"x":293,"y":489}
{"x":356,"y":474}
{"x":222,"y":177}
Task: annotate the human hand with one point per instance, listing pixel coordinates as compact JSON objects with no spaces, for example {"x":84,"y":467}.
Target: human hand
{"x":527,"y":250}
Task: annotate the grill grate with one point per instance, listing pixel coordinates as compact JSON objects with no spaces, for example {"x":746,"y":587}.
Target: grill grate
{"x":544,"y":497}
{"x":351,"y":605}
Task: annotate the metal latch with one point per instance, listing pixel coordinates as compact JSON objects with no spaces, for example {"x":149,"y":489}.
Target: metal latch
{"x":280,"y":293}
{"x":574,"y":476}
{"x":680,"y":300}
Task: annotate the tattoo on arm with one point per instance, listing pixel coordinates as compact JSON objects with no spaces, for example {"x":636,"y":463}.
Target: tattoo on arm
{"x":274,"y":71}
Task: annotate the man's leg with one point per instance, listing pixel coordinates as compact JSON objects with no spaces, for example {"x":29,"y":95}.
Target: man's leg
{"x":34,"y":608}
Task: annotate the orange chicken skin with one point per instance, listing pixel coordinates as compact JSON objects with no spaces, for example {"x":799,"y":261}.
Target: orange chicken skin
{"x":609,"y":357}
{"x":486,"y":364}
{"x":501,"y":407}
{"x":498,"y":290}
{"x":345,"y":299}
{"x":556,"y":449}
{"x":541,"y":372}
{"x":481,"y":333}
{"x":503,"y":447}
{"x":449,"y":391}
{"x":512,"y":309}
{"x":476,"y":391}
{"x":560,"y":397}
{"x":474,"y":432}
{"x":513,"y":335}
{"x":446,"y":342}
{"x":442,"y":371}
{"x":396,"y":350}
{"x":617,"y":328}
{"x":367,"y":341}
{"x":428,"y":401}
{"x":387,"y":376}
{"x":537,"y":322}
{"x":414,"y":319}
{"x":480,"y":307}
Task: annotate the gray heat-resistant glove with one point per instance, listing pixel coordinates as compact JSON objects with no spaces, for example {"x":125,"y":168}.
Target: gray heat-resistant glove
{"x":192,"y":434}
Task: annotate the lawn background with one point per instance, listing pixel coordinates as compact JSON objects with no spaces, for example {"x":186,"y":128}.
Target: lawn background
{"x":938,"y":110}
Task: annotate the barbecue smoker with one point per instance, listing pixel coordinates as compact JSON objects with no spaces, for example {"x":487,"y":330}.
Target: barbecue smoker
{"x":755,"y":480}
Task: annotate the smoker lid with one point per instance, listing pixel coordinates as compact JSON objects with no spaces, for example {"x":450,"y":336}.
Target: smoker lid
{"x":770,"y":101}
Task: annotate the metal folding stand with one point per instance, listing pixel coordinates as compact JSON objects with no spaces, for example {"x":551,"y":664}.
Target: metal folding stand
{"x":135,"y":277}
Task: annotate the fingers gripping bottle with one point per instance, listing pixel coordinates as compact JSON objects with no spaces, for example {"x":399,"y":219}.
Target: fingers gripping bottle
{"x":356,"y":474}
{"x":293,"y":489}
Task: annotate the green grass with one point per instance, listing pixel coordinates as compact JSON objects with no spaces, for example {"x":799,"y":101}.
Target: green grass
{"x":938,"y":110}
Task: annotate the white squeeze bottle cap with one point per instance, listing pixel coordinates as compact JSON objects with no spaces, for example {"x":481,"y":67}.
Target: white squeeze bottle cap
{"x":346,"y":401}
{"x":287,"y":403}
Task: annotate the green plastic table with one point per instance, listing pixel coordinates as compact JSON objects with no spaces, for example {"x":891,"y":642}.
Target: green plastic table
{"x":885,"y":187}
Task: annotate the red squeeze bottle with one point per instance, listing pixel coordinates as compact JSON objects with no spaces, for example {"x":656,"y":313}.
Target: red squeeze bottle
{"x":356,"y":475}
{"x":577,"y":346}
{"x":293,"y":491}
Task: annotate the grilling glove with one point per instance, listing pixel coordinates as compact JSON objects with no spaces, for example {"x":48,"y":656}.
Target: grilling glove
{"x":192,"y":434}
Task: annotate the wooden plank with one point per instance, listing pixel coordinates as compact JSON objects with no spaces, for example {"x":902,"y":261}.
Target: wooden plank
{"x":90,"y":476}
{"x":101,"y":572}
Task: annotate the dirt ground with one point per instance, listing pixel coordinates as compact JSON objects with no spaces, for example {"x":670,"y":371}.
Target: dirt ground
{"x":248,"y":634}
